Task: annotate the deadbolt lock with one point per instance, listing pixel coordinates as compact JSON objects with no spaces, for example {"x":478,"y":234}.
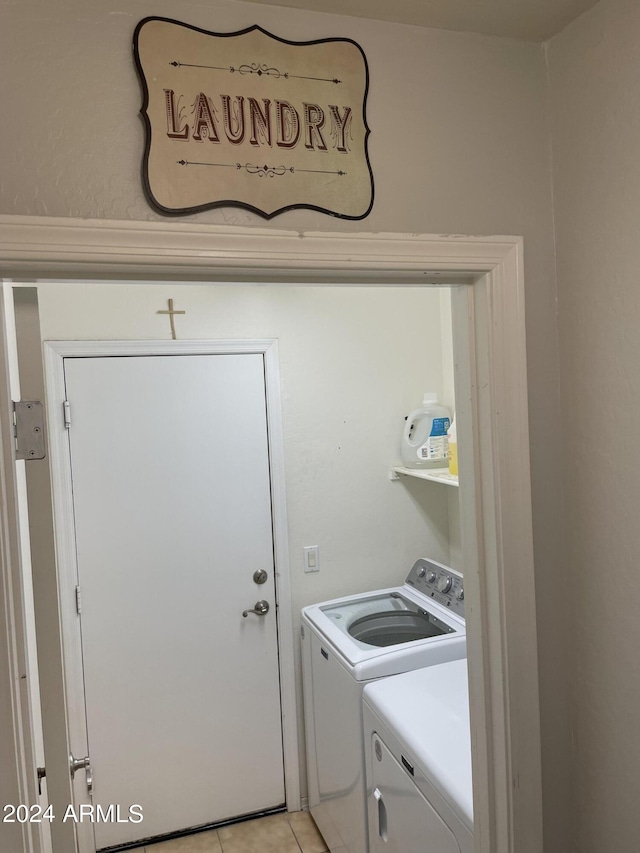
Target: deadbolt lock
{"x":260,"y":576}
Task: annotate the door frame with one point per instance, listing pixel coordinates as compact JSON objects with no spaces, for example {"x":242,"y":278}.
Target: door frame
{"x":62,"y":492}
{"x":20,"y":709}
{"x":495,"y":497}
{"x":32,"y":706}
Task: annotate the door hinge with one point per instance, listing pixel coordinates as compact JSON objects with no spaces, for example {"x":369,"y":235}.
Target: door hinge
{"x":66,"y":408}
{"x":28,"y":429}
{"x":78,"y":600}
{"x":42,"y":772}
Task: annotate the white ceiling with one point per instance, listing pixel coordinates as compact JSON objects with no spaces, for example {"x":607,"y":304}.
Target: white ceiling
{"x":533,"y":20}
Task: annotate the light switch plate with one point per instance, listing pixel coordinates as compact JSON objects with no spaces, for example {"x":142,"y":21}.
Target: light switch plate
{"x":311,"y":558}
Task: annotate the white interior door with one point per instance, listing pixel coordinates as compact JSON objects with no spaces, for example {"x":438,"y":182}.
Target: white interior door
{"x":171,"y":497}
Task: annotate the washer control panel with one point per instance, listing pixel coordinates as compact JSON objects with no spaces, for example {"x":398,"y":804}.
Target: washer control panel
{"x":439,"y":582}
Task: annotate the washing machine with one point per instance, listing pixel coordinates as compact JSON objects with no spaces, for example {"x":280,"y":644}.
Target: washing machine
{"x":418,"y":762}
{"x":348,"y":643}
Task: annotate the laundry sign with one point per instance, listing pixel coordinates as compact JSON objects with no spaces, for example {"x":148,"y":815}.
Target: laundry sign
{"x":253,"y":120}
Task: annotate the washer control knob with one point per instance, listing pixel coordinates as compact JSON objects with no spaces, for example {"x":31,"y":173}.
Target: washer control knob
{"x":444,"y":583}
{"x":422,"y":572}
{"x":431,"y":577}
{"x":460,"y":593}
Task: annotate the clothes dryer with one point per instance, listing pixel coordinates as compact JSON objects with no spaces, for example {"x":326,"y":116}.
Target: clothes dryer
{"x":348,"y":643}
{"x":418,"y":767}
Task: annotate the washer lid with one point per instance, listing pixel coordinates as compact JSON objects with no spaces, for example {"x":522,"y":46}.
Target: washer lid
{"x":427,"y":711}
{"x":440,"y":634}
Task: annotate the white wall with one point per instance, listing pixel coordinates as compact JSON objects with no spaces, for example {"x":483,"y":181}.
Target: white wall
{"x":353,"y":362}
{"x":449,"y":400}
{"x":595,"y":87}
{"x":459,"y":144}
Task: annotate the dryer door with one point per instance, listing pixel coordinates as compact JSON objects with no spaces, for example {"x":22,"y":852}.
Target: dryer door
{"x":400,"y":818}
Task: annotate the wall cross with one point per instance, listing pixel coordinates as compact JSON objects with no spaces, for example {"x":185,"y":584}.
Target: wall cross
{"x":171,"y":312}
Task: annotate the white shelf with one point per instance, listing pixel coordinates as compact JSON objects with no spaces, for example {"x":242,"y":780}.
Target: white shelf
{"x":436,"y":475}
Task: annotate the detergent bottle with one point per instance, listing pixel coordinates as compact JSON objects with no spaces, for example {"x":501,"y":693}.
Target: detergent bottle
{"x":453,"y":448}
{"x":424,"y":440}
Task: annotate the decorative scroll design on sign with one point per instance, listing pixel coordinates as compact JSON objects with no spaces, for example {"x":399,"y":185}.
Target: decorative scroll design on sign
{"x":256,"y":68}
{"x":268,"y":171}
{"x":261,"y":171}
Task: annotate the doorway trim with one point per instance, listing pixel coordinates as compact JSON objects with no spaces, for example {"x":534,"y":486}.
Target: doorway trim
{"x":496,"y":497}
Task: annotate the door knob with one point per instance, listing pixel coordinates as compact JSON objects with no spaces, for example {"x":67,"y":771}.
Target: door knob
{"x":82,"y":764}
{"x":261,"y":607}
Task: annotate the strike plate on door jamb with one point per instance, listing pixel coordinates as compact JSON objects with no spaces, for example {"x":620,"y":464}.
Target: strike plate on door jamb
{"x":28,"y":429}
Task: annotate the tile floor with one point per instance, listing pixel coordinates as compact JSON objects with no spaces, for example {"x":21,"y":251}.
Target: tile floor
{"x":293,"y":832}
